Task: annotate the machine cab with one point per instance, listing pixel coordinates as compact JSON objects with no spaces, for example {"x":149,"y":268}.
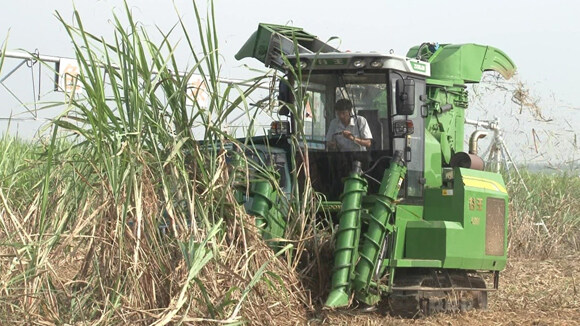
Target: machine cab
{"x":386,"y":90}
{"x":384,"y":93}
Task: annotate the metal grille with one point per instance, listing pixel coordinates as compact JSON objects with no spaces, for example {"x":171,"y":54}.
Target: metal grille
{"x":495,"y":226}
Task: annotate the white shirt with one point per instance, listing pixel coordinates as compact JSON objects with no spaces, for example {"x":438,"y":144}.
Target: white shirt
{"x":336,"y":127}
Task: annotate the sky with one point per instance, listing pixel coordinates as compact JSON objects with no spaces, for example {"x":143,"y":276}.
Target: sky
{"x":539,"y":36}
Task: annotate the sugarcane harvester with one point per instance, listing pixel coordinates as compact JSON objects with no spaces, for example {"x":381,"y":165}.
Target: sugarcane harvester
{"x":420,"y":221}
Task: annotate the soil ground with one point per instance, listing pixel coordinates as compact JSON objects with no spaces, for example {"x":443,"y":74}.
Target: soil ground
{"x":531,"y":292}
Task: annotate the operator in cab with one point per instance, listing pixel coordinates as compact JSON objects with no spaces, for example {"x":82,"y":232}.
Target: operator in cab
{"x":348,"y":133}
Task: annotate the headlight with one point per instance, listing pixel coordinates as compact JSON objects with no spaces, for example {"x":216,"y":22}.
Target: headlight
{"x":359,"y":63}
{"x":377,"y":64}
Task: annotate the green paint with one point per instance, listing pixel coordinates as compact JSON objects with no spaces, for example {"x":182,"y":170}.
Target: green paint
{"x":257,"y":45}
{"x":417,"y":66}
{"x":465,"y":63}
{"x":347,"y":239}
{"x":379,"y":225}
{"x":453,"y":229}
{"x":267,"y":209}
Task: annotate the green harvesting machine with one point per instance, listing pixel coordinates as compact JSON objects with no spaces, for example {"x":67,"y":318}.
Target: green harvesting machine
{"x":420,"y":222}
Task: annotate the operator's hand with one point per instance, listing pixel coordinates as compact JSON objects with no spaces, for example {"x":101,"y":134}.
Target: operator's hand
{"x":348,"y":135}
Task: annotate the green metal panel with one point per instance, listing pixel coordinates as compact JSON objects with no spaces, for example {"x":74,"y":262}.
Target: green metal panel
{"x":404,"y":214}
{"x":257,"y":45}
{"x":427,"y":239}
{"x":443,"y":204}
{"x":483,"y":193}
{"x":423,"y":263}
{"x":409,"y":213}
{"x":263,"y":46}
{"x":432,"y":161}
{"x":456,"y":230}
{"x":465,"y":63}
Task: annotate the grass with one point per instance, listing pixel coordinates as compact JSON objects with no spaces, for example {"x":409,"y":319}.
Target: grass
{"x":552,"y":198}
{"x":83,"y":242}
{"x":80,"y":212}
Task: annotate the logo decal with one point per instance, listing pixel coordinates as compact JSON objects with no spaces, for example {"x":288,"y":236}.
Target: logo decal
{"x":417,"y":66}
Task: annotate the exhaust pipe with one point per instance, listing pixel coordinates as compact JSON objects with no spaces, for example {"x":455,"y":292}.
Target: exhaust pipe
{"x":475,"y":136}
{"x":471,"y":160}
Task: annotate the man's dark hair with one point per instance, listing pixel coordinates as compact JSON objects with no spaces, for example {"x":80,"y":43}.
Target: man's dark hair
{"x":343,"y":105}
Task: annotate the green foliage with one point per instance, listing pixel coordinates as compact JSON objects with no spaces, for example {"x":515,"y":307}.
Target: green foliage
{"x":16,"y":175}
{"x":124,"y":216}
{"x":552,"y":199}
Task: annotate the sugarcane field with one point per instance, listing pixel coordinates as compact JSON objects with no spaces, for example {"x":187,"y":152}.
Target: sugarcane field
{"x":306,"y":163}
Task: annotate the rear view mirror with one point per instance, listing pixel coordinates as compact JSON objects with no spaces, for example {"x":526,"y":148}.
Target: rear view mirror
{"x":405,"y":93}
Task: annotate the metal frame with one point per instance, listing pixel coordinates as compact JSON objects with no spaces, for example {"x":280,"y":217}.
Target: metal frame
{"x":31,"y":59}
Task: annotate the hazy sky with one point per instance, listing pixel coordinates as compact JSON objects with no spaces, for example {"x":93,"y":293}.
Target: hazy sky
{"x":540,"y":36}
